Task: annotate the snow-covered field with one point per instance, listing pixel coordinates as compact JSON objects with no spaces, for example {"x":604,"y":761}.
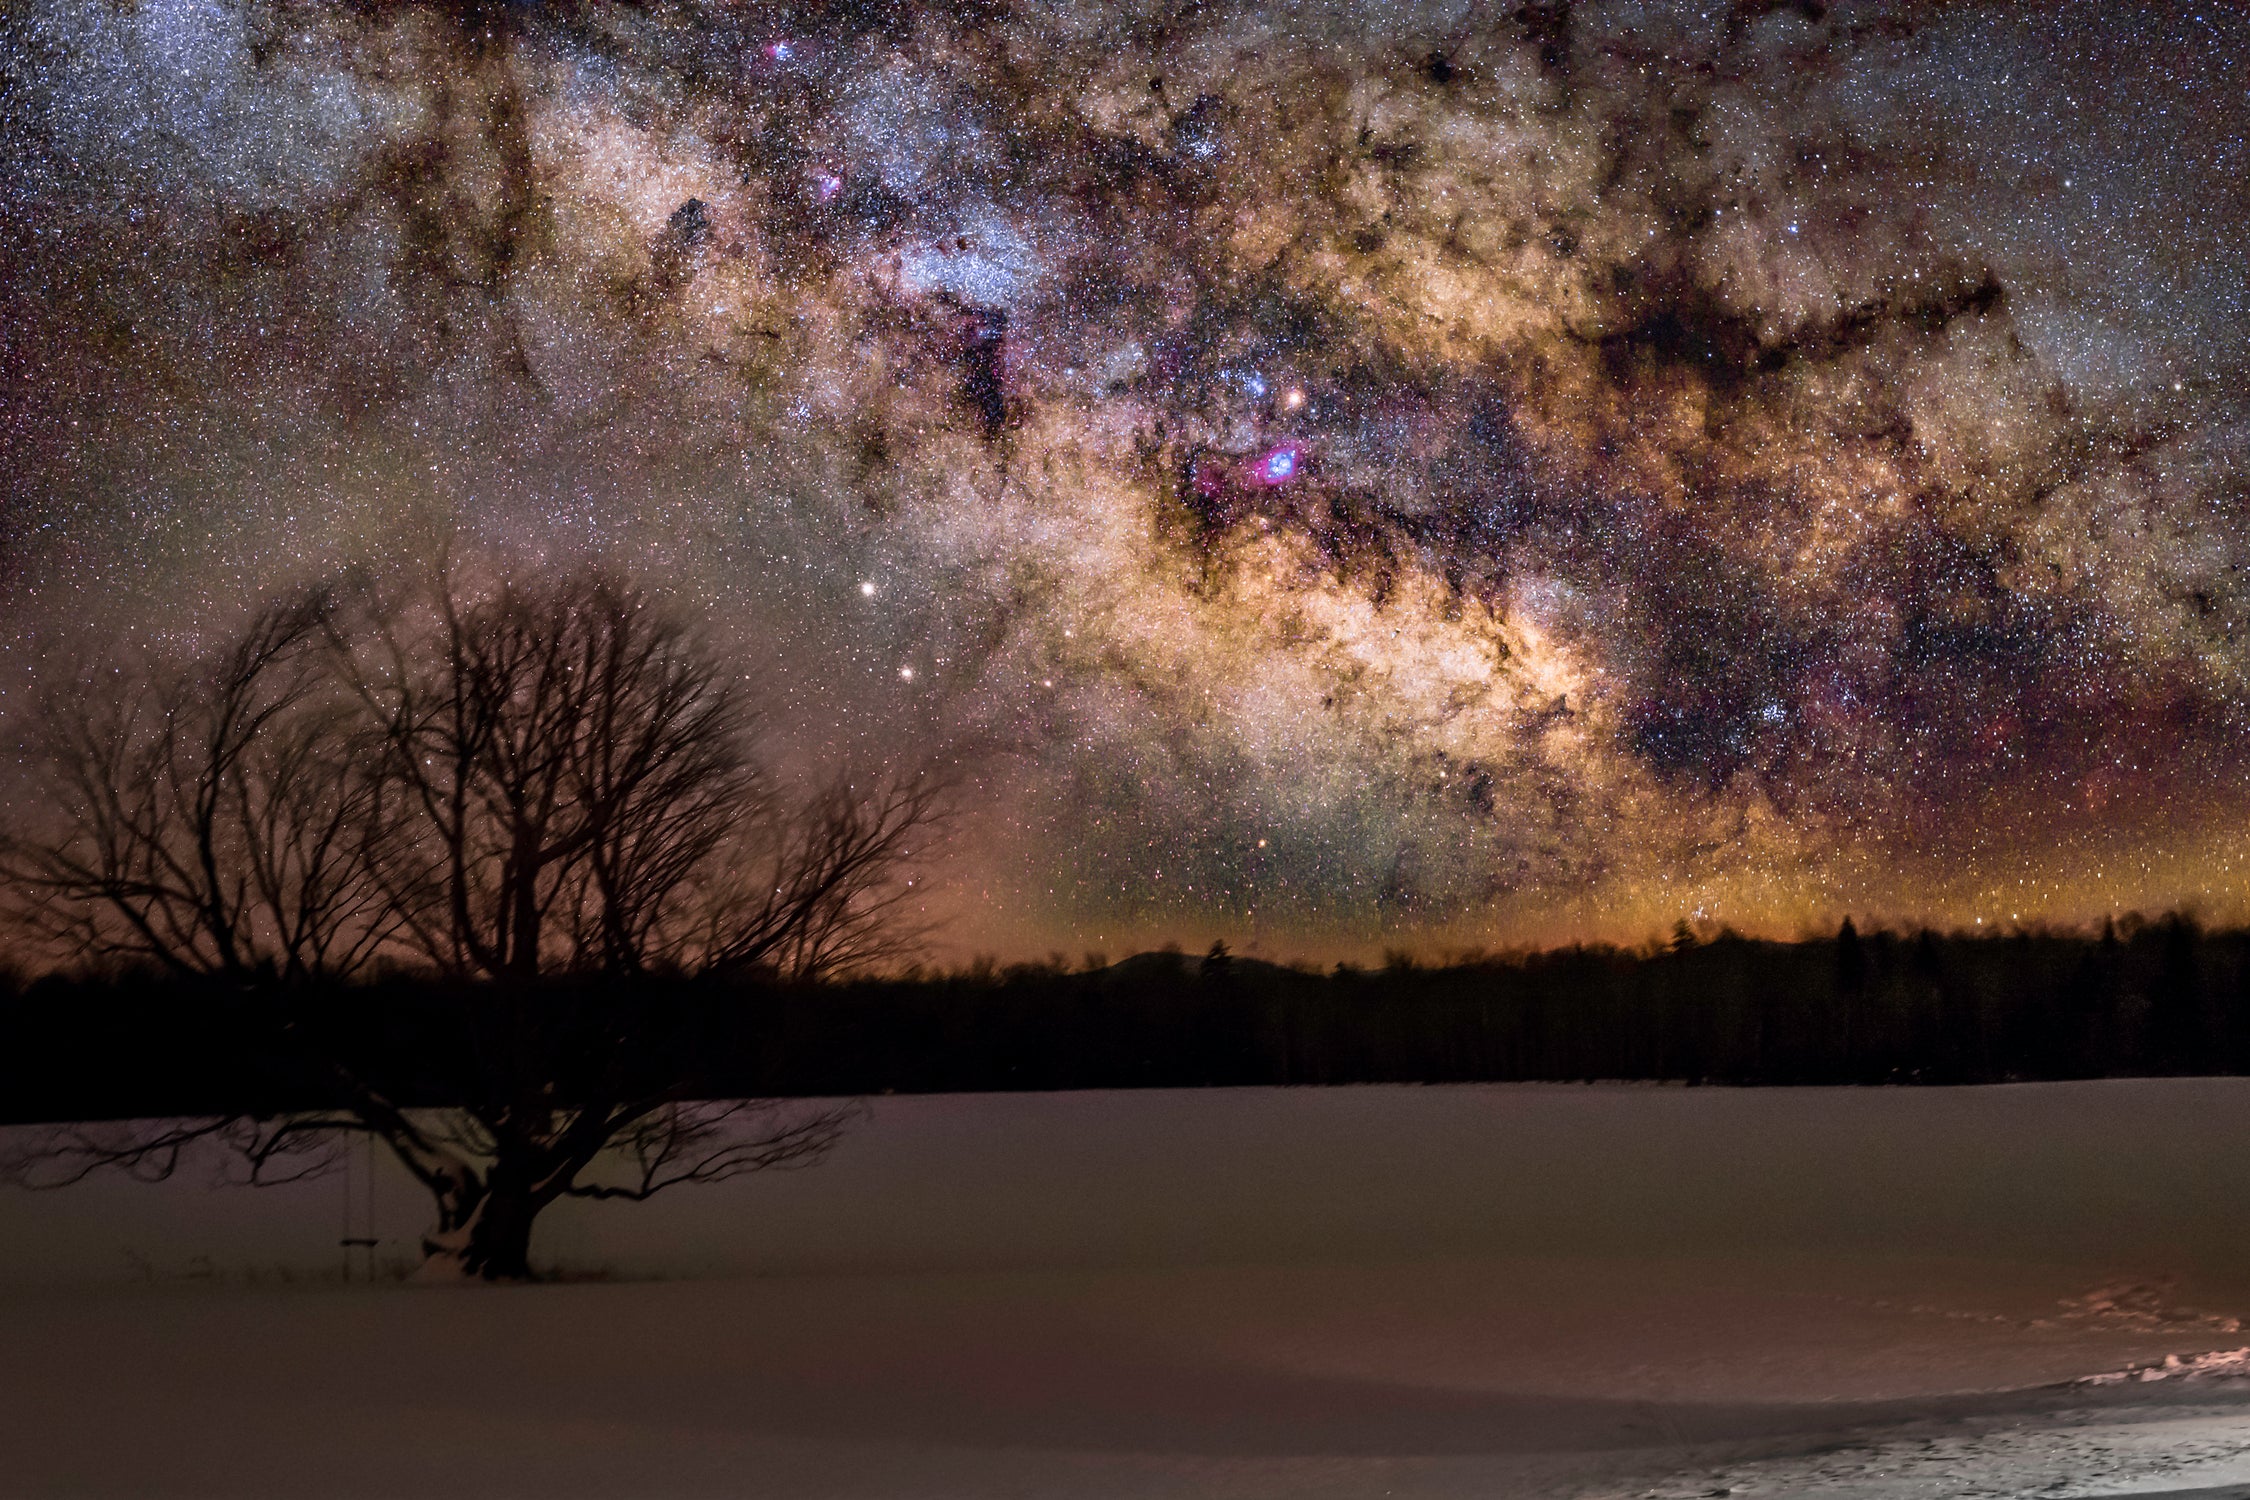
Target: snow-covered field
{"x":1479,"y":1291}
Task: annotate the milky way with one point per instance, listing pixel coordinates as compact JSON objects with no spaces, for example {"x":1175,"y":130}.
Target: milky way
{"x":1326,"y":475}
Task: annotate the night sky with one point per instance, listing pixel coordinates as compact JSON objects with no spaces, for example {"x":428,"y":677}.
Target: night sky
{"x":1325,"y":475}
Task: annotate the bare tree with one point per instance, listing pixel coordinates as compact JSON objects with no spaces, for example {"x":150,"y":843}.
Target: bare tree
{"x":577,"y":769}
{"x":490,"y":1173}
{"x":218,"y":820}
{"x":545,"y":798}
{"x":572,"y":758}
{"x":662,"y":769}
{"x":822,"y":887}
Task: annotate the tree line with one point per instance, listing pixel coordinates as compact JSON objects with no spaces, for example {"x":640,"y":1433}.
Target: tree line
{"x":534,"y":798}
{"x":2136,"y":999}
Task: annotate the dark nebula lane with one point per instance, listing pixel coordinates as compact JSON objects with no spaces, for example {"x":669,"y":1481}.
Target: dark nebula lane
{"x":1333,"y":476}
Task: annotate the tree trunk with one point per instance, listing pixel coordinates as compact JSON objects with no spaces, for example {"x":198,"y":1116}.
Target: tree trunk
{"x":483,"y":1232}
{"x":499,"y":1247}
{"x":522,"y":943}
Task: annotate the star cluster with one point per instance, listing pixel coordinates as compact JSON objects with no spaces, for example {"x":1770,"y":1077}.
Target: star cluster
{"x":1326,"y":475}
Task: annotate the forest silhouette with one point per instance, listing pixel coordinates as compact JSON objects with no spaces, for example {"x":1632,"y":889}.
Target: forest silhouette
{"x":2141,"y":998}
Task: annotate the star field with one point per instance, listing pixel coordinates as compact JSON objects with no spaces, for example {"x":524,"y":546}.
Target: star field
{"x":1324,"y":475}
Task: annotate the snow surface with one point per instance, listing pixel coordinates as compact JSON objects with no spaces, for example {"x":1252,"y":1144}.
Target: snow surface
{"x":1440,"y":1292}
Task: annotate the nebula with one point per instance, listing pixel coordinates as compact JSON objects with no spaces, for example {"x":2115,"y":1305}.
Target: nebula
{"x":1325,"y":476}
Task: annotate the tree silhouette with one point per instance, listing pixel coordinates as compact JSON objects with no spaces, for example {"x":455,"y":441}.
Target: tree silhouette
{"x":218,"y":819}
{"x":572,"y":762}
{"x":544,"y":799}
